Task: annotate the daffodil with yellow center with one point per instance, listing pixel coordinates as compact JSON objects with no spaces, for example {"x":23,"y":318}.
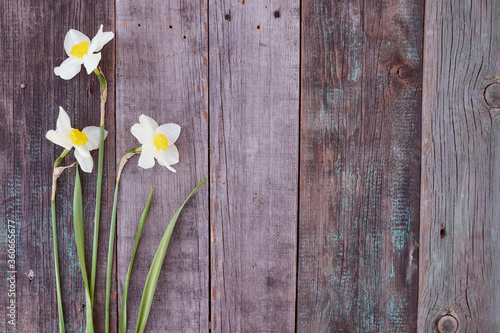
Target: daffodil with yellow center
{"x":157,"y":142}
{"x":83,"y":141}
{"x":81,"y":50}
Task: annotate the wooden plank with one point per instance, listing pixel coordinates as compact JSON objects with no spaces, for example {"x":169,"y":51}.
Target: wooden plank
{"x":460,"y":270}
{"x":31,"y":39}
{"x":359,"y":166}
{"x":162,"y":72}
{"x":254,"y":122}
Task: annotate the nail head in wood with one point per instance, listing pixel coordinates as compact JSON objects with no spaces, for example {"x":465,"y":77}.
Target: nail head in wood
{"x":492,"y":95}
{"x":447,"y":324}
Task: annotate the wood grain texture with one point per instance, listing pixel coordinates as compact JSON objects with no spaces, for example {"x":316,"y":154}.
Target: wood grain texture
{"x":162,"y":72}
{"x":31,"y":39}
{"x":359,"y":166}
{"x":460,"y":228}
{"x":254,"y":104}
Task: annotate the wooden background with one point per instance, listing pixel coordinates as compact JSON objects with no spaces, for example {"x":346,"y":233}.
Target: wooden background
{"x":352,"y":150}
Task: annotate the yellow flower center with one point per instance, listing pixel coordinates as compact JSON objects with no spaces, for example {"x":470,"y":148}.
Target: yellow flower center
{"x":161,"y":142}
{"x":78,"y":138}
{"x":80,"y":49}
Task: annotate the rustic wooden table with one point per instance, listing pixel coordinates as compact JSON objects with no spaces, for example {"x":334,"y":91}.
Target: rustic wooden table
{"x":352,"y":150}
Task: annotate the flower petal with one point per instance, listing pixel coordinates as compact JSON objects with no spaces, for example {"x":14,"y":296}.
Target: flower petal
{"x":93,"y":133}
{"x":169,"y":156}
{"x":147,"y":159}
{"x":91,"y":61}
{"x":58,"y":139}
{"x":142,"y":134}
{"x":171,"y":131}
{"x":82,"y":151}
{"x":69,"y":68}
{"x":72,"y":38}
{"x":63,"y":125}
{"x":84,"y":159}
{"x":149,"y":124}
{"x":161,"y":160}
{"x":99,"y":40}
{"x":167,"y":166}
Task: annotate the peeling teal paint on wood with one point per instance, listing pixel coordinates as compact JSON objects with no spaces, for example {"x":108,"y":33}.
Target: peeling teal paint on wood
{"x":360,"y":137}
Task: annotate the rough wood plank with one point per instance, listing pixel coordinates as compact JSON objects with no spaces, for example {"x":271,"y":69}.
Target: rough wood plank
{"x":31,"y":38}
{"x":460,"y":229}
{"x":254,"y":105}
{"x":162,"y":72}
{"x":359,"y":166}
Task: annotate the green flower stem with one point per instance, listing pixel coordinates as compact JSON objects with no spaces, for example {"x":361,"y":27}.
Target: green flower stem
{"x":80,"y":247}
{"x":110,"y":255}
{"x":57,"y":172}
{"x":56,"y":259}
{"x":100,"y":163}
{"x":112,"y":233}
{"x":60,"y":158}
{"x":54,"y":238}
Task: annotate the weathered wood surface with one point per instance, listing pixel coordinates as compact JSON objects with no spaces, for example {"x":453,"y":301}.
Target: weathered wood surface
{"x":228,"y":73}
{"x":254,"y":123}
{"x":359,"y":166}
{"x":162,"y":71}
{"x":31,"y":43}
{"x":459,"y":265}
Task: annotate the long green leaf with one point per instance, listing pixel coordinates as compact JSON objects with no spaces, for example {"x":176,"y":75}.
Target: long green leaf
{"x":123,"y":312}
{"x":154,"y":271}
{"x":80,"y":247}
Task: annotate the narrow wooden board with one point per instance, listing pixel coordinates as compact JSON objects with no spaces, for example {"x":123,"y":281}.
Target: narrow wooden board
{"x":31,"y":39}
{"x":254,"y":123}
{"x":460,"y":228}
{"x":359,"y":166}
{"x":162,"y":72}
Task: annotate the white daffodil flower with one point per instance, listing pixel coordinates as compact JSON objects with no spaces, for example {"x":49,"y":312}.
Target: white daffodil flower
{"x":157,"y":142}
{"x":80,"y":51}
{"x":84,"y":141}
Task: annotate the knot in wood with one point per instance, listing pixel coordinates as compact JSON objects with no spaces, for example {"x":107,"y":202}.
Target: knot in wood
{"x":406,"y":71}
{"x":447,"y":324}
{"x":492,"y":95}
